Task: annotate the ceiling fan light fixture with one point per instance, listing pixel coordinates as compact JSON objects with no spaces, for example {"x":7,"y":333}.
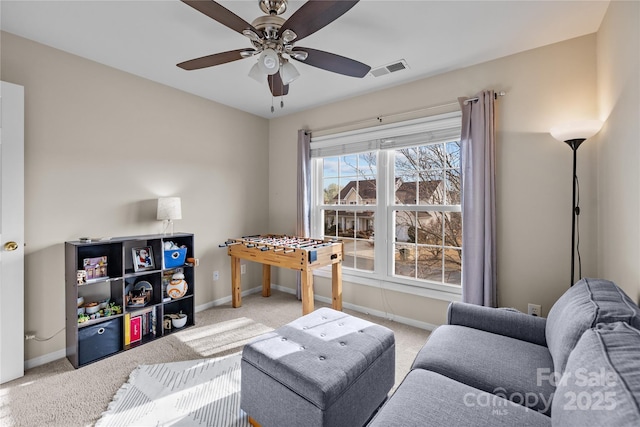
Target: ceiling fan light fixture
{"x":269,"y":62}
{"x":256,"y":73}
{"x":288,"y":72}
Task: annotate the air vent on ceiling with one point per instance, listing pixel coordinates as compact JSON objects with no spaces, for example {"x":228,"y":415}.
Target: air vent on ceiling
{"x":389,"y":68}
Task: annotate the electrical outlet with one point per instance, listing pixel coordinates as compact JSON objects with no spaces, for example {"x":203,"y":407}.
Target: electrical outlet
{"x":216,"y":275}
{"x":243,"y":268}
{"x":534,"y":309}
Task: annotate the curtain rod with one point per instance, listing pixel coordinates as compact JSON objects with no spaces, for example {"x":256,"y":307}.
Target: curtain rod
{"x":379,"y":119}
{"x":496,"y":95}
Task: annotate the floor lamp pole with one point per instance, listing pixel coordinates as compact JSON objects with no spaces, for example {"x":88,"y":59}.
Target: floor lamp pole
{"x":575,"y":209}
{"x":575,"y":134}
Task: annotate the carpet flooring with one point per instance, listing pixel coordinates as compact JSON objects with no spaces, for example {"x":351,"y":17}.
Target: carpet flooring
{"x":57,"y":395}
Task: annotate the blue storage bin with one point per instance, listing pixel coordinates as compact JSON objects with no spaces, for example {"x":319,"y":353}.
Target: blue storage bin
{"x":175,"y":258}
{"x":98,"y":341}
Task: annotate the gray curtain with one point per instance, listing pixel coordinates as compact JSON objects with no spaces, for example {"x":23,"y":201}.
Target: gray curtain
{"x":303,"y":227}
{"x":478,"y":200}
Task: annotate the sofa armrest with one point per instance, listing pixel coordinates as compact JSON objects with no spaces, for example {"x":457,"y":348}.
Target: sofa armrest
{"x":510,"y":323}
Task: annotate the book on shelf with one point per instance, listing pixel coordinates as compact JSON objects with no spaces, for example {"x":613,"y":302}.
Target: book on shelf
{"x":136,"y":328}
{"x":127,"y":329}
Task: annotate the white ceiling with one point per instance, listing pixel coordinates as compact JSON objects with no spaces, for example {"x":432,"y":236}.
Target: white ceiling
{"x":149,"y":37}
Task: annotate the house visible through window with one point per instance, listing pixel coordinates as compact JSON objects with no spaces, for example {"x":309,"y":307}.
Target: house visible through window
{"x":392,"y":195}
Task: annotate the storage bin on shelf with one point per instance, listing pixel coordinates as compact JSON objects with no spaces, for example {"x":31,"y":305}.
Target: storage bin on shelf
{"x":175,"y":257}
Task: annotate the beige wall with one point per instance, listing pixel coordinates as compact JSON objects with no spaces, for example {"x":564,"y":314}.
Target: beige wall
{"x":545,"y":86}
{"x":101,"y":145}
{"x":618,"y":50}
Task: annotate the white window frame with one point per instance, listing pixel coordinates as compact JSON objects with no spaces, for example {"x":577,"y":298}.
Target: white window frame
{"x":384,"y":139}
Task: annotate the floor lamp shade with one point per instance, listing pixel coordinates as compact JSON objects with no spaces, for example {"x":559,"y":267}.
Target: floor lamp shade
{"x":169,"y":208}
{"x":583,"y":129}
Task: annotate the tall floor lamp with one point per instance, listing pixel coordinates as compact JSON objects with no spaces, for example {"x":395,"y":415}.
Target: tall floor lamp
{"x":574,"y":134}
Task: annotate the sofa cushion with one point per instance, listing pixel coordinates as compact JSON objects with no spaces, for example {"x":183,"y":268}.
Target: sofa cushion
{"x":601,"y":382}
{"x":518,"y":370}
{"x":501,"y":321}
{"x":584,"y":305}
{"x":428,"y":399}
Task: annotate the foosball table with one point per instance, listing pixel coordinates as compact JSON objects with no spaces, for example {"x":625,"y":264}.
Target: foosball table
{"x":296,"y":253}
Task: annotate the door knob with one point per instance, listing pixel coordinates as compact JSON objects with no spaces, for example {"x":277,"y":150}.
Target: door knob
{"x":10,"y":246}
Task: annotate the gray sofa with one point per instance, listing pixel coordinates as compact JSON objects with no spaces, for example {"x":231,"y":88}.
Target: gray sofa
{"x":499,"y":367}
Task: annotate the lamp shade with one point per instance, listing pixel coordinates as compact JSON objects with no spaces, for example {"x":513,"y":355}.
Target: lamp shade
{"x":583,"y":129}
{"x":256,"y":73}
{"x":269,"y":61}
{"x":288,"y":72}
{"x":169,"y":208}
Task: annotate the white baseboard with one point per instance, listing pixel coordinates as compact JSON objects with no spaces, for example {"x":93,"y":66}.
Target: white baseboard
{"x":41,"y":360}
{"x":367,"y":310}
{"x":50,"y":357}
{"x":226,"y":299}
{"x":60,"y":354}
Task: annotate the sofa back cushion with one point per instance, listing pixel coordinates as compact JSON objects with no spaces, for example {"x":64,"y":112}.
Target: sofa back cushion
{"x":601,"y":382}
{"x":584,"y":305}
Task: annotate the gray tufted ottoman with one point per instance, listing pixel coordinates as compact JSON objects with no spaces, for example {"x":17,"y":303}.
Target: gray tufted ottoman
{"x":324,"y":369}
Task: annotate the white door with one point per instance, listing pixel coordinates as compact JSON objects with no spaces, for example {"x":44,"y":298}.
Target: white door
{"x":11,"y":232}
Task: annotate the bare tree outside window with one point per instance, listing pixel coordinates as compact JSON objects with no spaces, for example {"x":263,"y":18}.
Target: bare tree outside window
{"x":425,"y":198}
{"x":428,"y":243}
{"x":352,"y":181}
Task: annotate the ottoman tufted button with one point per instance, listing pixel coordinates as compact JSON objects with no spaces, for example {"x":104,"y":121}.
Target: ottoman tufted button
{"x":303,"y":347}
{"x":321,"y":357}
{"x":323,"y":335}
{"x":305,"y":327}
{"x":324,"y":317}
{"x":342,"y":343}
{"x":283,"y":339}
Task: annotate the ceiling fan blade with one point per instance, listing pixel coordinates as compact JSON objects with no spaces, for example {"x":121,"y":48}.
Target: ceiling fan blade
{"x":221,"y":14}
{"x":276,"y":85}
{"x":332,"y":62}
{"x":314,"y":15}
{"x":215,"y":59}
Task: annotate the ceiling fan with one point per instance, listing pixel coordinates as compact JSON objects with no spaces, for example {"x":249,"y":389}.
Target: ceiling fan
{"x":273,"y":39}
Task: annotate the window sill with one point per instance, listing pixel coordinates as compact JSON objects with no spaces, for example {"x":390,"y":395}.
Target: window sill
{"x":377,"y":283}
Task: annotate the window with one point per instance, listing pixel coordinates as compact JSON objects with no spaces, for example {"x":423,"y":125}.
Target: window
{"x":426,"y":213}
{"x":349,"y":183}
{"x":392,"y":194}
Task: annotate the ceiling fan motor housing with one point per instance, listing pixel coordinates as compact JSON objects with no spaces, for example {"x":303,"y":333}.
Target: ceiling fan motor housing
{"x":268,"y":25}
{"x":273,"y":7}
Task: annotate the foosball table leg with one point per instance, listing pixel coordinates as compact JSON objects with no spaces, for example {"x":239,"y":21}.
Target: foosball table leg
{"x":336,"y":286}
{"x":236,"y":291}
{"x":266,"y":280}
{"x":307,"y":291}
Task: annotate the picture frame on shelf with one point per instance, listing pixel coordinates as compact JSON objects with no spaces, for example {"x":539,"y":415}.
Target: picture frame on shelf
{"x":142,"y":258}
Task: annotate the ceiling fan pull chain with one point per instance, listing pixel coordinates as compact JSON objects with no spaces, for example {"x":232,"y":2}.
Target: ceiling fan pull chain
{"x":282,"y":94}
